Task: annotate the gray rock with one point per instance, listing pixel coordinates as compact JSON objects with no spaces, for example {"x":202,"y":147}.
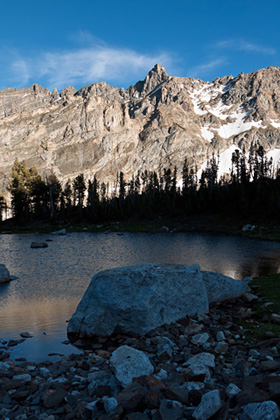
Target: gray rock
{"x":248,"y":228}
{"x":25,"y":377}
{"x":220,"y":287}
{"x":201,"y":359}
{"x":110,"y":404}
{"x":200,"y":339}
{"x":165,"y":348}
{"x":275,"y":318}
{"x":199,"y":371}
{"x":221,"y":347}
{"x":25,"y":335}
{"x":232,"y":390}
{"x":4,"y":366}
{"x":138,"y":299}
{"x":210,"y":404}
{"x":105,"y":379}
{"x":44,"y":372}
{"x":54,"y":398}
{"x":39,"y":245}
{"x":193,"y":385}
{"x":220,"y":336}
{"x":129,"y":363}
{"x":60,"y":232}
{"x":170,"y":410}
{"x":267,"y":410}
{"x":4,"y":274}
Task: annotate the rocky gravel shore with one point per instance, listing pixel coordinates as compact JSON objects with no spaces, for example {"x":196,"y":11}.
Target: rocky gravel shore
{"x":201,"y":367}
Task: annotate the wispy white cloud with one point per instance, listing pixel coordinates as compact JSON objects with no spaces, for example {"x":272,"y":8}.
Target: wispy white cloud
{"x":242,"y":45}
{"x":95,"y":62}
{"x":204,"y":68}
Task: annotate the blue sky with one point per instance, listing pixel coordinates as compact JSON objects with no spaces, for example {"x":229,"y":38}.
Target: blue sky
{"x":78,"y":42}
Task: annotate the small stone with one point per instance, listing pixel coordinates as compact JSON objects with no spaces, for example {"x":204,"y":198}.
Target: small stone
{"x":193,"y":385}
{"x":270,"y":365}
{"x":25,"y":377}
{"x":250,"y":297}
{"x":161,"y":375}
{"x":210,"y":404}
{"x":201,"y":359}
{"x":44,"y":372}
{"x":110,"y":404}
{"x":254,"y":353}
{"x":177,"y":393}
{"x":170,"y":410}
{"x":131,"y":397}
{"x":232,"y":390}
{"x":165,"y":348}
{"x":129,"y":363}
{"x":220,"y":336}
{"x":221,"y":347}
{"x":199,"y":373}
{"x":54,"y":398}
{"x":193,"y":329}
{"x":60,"y":232}
{"x":275,"y":318}
{"x":25,"y":335}
{"x":200,"y":339}
{"x":4,"y":366}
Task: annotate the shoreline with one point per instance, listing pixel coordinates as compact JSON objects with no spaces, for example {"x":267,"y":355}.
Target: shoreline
{"x":207,"y":223}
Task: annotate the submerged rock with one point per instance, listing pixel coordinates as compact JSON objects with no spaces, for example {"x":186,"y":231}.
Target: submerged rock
{"x":4,"y":274}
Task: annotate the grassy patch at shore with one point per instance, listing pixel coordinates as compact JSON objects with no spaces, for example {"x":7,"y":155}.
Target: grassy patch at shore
{"x":261,"y":325}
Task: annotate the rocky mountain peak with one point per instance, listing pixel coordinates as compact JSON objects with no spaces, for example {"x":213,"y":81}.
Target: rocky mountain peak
{"x":155,"y":77}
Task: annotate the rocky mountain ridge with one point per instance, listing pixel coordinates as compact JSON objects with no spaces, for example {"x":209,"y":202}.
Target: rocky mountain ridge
{"x":155,"y":124}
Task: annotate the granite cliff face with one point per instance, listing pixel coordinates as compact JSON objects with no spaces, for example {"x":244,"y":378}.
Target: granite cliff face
{"x":153,"y":125}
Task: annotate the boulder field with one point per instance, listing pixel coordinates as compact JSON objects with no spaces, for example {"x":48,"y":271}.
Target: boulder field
{"x":201,"y":367}
{"x":137,"y":299}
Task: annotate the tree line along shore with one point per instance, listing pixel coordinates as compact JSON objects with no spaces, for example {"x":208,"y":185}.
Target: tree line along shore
{"x":251,"y":189}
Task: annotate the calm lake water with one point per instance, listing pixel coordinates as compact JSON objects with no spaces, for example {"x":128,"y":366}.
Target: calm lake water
{"x":52,"y":281}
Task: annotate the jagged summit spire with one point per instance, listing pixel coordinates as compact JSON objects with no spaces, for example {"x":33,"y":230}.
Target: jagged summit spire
{"x":159,"y":69}
{"x":155,"y":77}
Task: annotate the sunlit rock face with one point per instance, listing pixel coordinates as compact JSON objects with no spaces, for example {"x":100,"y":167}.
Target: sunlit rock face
{"x":153,"y":125}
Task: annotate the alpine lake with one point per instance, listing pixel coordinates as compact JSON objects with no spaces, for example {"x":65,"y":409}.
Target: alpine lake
{"x":51,"y":281}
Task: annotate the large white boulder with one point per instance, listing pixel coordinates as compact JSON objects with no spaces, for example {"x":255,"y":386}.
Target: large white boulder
{"x":139,"y":298}
{"x":4,"y":274}
{"x":220,"y":287}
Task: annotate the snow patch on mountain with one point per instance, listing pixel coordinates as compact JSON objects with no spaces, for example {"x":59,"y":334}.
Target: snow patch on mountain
{"x":238,"y":126}
{"x":275,"y":124}
{"x":207,"y":134}
{"x":224,"y":162}
{"x":275,"y":155}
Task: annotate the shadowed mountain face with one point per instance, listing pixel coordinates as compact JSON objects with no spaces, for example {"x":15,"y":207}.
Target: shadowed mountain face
{"x":153,"y":125}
